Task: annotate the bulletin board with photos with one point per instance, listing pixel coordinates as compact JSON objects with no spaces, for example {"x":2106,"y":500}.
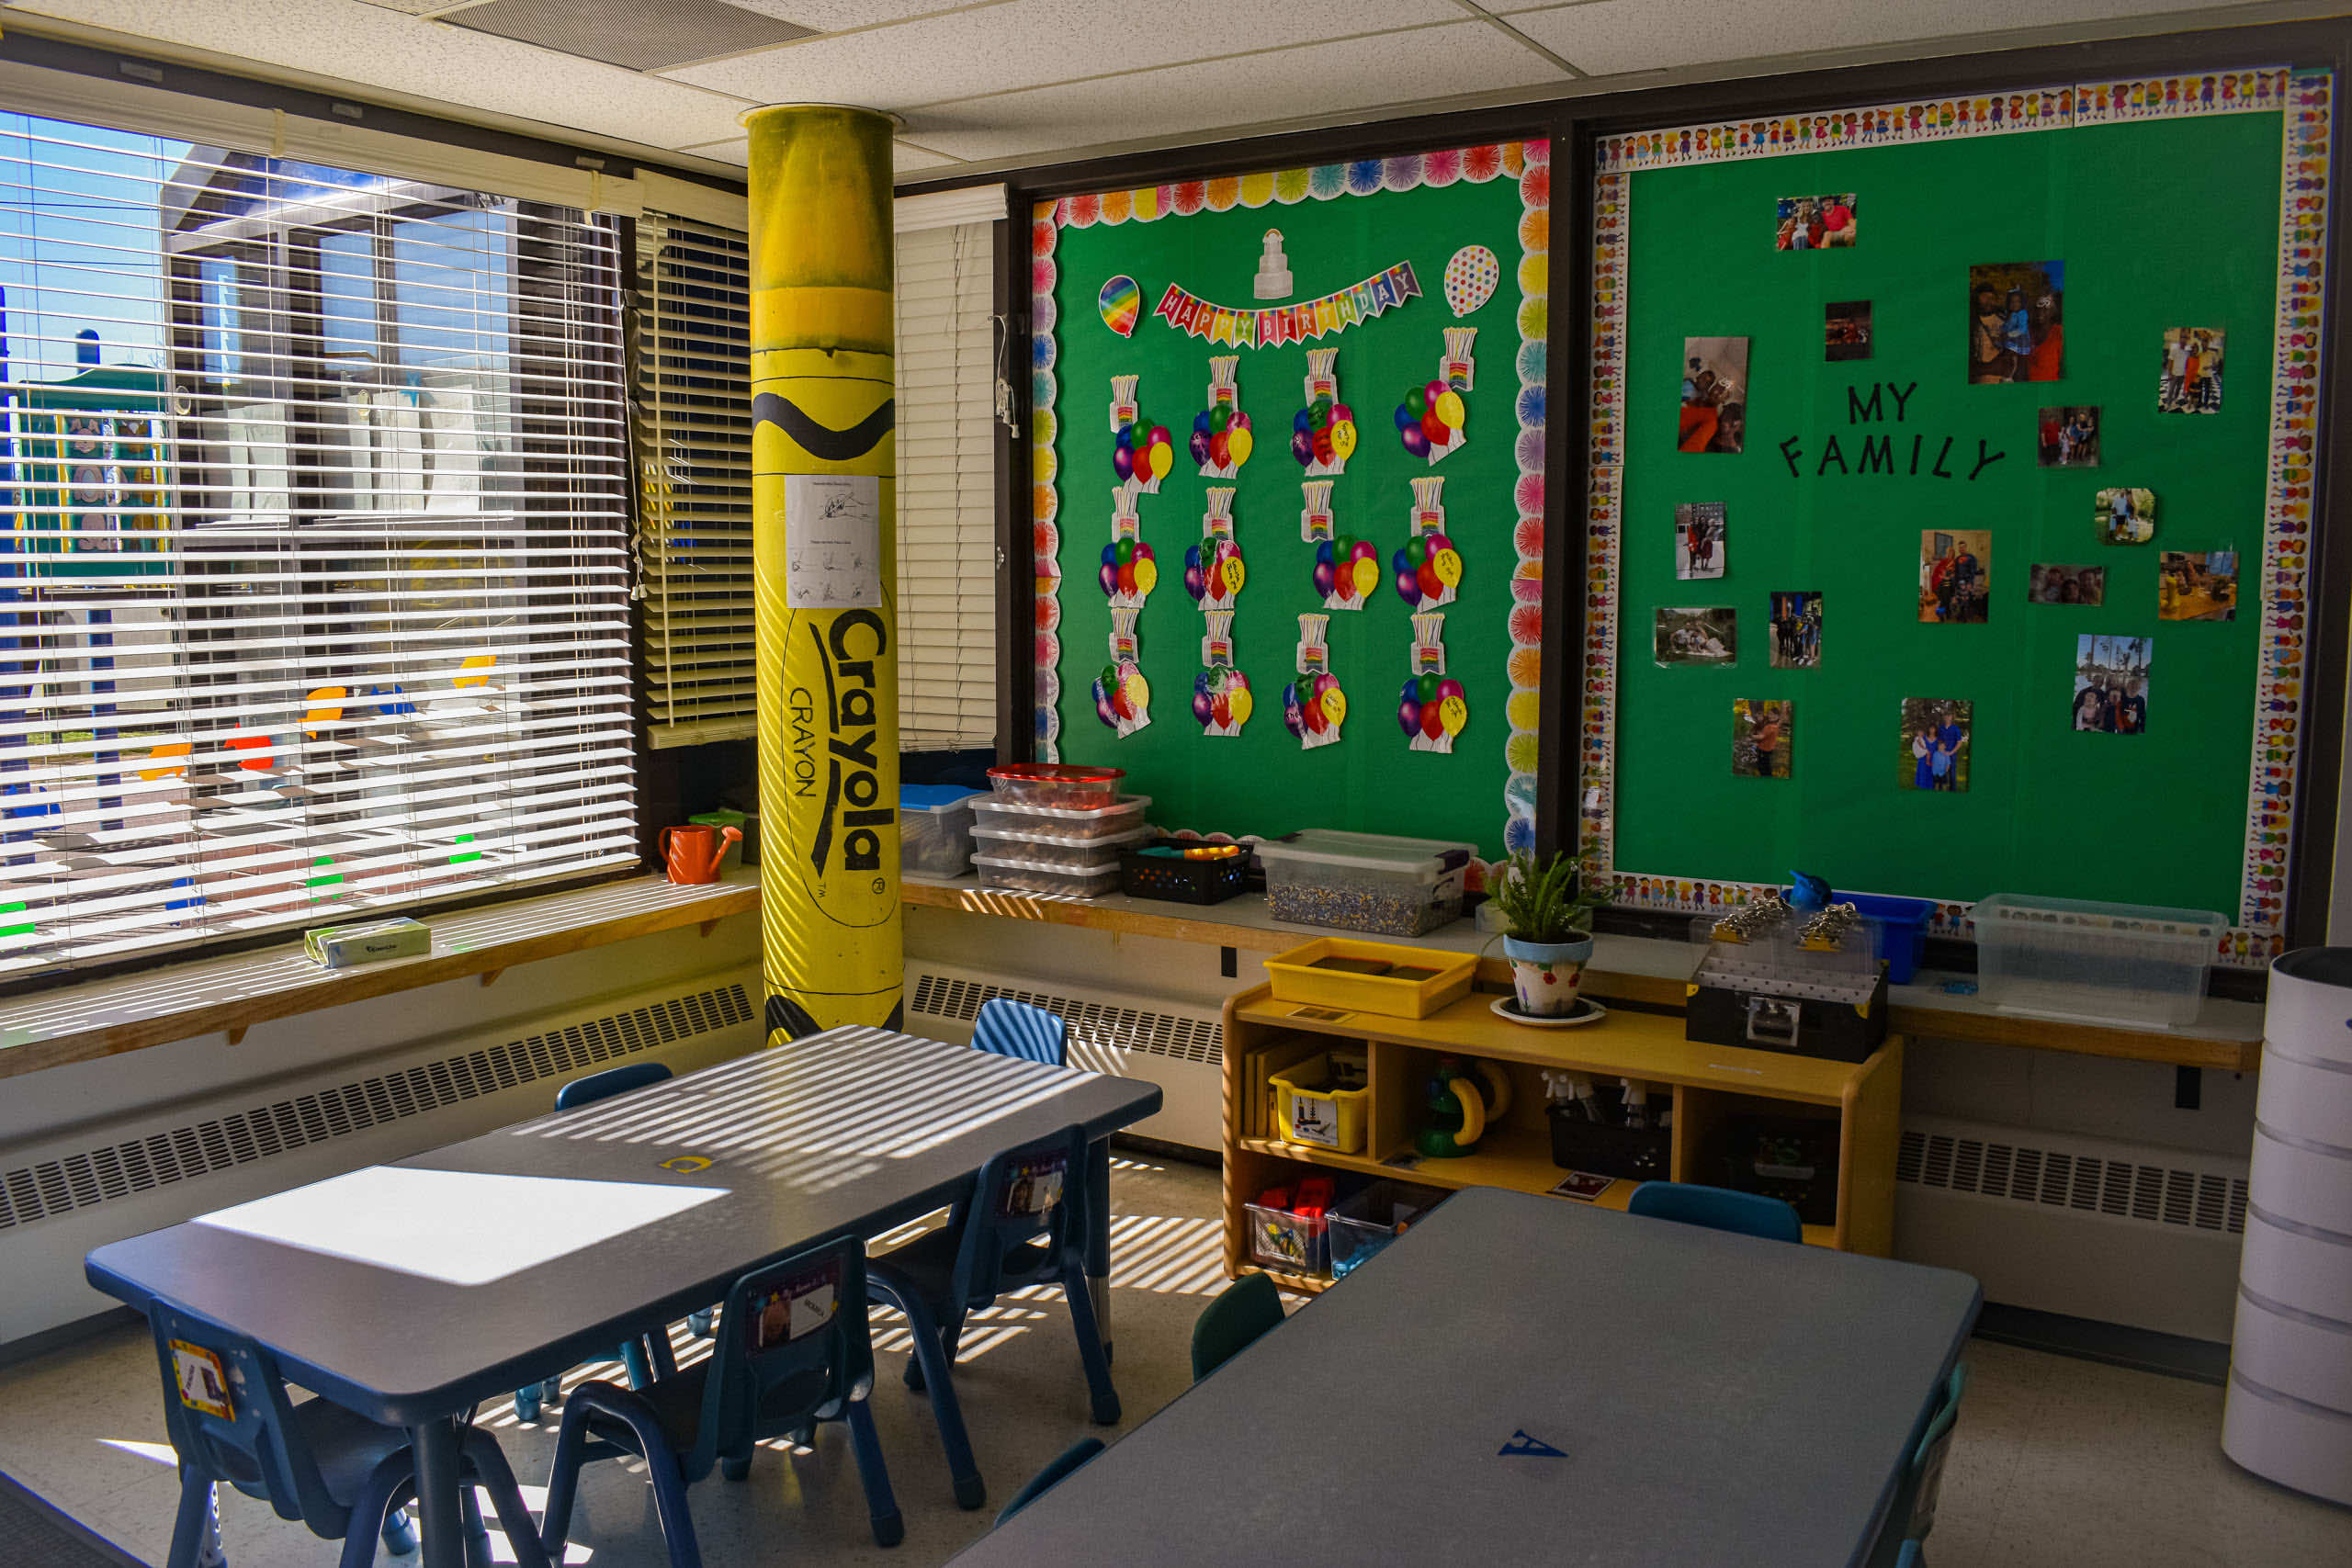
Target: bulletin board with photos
{"x":1951,"y":478}
{"x":1288,"y":498}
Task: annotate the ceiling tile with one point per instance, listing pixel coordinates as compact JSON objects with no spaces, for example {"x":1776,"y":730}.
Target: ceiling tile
{"x":632,"y":33}
{"x":412,"y":7}
{"x":1615,"y":36}
{"x":1028,"y":43}
{"x":1321,"y":79}
{"x":906,"y":158}
{"x":371,"y":47}
{"x":833,"y":16}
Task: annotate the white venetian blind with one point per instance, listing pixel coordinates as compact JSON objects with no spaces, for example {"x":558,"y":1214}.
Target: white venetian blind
{"x":313,"y":592}
{"x":947,"y":562}
{"x":694,"y":457}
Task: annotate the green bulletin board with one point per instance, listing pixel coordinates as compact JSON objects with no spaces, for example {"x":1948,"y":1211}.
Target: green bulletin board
{"x":1339,"y":225}
{"x":2167,"y":212}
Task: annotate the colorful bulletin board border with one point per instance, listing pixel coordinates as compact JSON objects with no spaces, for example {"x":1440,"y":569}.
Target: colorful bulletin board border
{"x":1528,"y":163}
{"x":2307,"y":99}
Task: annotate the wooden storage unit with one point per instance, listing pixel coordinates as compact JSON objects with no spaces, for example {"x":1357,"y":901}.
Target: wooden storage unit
{"x":1710,"y":1084}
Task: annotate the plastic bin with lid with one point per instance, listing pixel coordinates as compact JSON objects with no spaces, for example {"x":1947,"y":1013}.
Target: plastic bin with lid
{"x":1056,"y":783}
{"x":1113,"y":818}
{"x":1017,"y":874}
{"x":935,"y":830}
{"x":1364,"y":882}
{"x":1052,"y":848}
{"x":2075,"y":958}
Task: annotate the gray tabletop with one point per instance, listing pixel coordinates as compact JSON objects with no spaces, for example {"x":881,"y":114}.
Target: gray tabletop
{"x":1712,"y":1400}
{"x":843,"y":1133}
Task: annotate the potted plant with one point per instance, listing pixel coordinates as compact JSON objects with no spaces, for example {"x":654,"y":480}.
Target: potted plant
{"x":1545,"y":910}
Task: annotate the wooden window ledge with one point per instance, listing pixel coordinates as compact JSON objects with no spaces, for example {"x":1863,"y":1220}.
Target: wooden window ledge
{"x":181,"y":1001}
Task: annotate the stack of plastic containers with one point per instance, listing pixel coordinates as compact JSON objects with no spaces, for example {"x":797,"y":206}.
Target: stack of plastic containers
{"x":935,"y":830}
{"x":1055,"y":828}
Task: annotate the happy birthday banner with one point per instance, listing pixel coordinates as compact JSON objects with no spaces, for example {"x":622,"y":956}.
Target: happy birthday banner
{"x":1289,"y":324}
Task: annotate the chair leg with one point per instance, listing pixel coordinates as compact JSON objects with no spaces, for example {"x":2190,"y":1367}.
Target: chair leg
{"x":478,"y":1552}
{"x":526,"y":1403}
{"x":930,"y":1358}
{"x":1090,"y":1339}
{"x":551,"y":1391}
{"x":633,"y":1359}
{"x":669,"y":1506}
{"x":736,"y":1469}
{"x":496,"y":1477}
{"x":564,"y":1476}
{"x":594,"y":1399}
{"x":881,"y":1503}
{"x":372,"y":1511}
{"x":192,"y":1526}
{"x":397,"y":1535}
{"x":700,"y":1322}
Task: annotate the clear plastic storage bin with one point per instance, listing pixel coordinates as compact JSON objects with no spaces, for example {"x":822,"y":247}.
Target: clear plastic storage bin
{"x":1294,"y":1243}
{"x":2071,"y":958}
{"x":1016,"y":875}
{"x":1111,"y":821}
{"x":935,"y":830}
{"x":1364,"y":882}
{"x":1374,"y":1218}
{"x":1052,"y":848}
{"x":1056,"y":783}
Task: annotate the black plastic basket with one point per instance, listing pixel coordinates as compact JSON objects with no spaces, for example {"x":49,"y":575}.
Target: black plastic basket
{"x":1180,"y":881}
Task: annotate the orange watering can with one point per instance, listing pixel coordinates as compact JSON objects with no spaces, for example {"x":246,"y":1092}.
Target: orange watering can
{"x":694,"y":850}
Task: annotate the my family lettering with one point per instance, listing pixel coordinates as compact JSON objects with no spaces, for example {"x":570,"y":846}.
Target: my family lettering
{"x":1931,"y":456}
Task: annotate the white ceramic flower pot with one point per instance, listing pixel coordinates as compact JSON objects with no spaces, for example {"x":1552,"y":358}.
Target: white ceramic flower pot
{"x":1546,"y":974}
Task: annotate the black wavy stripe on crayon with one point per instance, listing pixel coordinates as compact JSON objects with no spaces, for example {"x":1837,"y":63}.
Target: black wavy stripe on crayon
{"x":822,"y":442}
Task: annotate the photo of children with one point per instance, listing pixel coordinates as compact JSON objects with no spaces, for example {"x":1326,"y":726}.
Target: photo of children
{"x":2015,"y":316}
{"x":1763,"y":732}
{"x":1955,"y":575}
{"x":1796,"y":631}
{"x":1935,"y":743}
{"x":2068,"y":438}
{"x":2067,"y":585}
{"x":1709,"y":636}
{"x":1846,"y":331}
{"x":1813,"y":222}
{"x":2191,"y":379}
{"x":1714,"y":395}
{"x":2194,"y":585}
{"x":2111,"y":683}
{"x":1699,"y":539}
{"x":2126,"y":517}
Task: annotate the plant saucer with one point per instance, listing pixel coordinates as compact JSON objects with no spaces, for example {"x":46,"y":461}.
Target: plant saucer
{"x":1586,"y":1011}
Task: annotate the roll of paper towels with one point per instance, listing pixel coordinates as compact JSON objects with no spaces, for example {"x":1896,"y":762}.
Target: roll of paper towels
{"x":2289,"y":1411}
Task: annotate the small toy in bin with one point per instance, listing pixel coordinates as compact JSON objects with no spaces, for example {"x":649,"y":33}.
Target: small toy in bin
{"x":1460,"y":1106}
{"x":1287,"y":1226}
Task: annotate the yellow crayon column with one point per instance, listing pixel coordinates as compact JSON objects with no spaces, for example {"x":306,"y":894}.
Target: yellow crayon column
{"x":824,"y":559}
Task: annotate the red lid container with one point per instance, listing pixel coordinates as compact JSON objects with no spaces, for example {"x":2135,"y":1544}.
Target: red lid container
{"x":1056,"y":783}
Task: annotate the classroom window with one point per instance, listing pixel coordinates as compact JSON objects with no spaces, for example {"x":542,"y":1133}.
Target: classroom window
{"x":313,"y":593}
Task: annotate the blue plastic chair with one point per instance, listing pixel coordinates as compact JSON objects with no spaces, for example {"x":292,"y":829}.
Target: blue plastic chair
{"x":1057,"y":1470}
{"x":343,"y":1475}
{"x":1717,"y":1207}
{"x":1913,"y":1514}
{"x":647,"y":1356}
{"x":1022,"y":1223}
{"x":1231,"y":1324}
{"x":778,"y":1368}
{"x":1007,"y":1028}
{"x":1911,"y":1556}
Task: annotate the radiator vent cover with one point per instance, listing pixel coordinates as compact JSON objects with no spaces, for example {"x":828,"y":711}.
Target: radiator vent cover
{"x":181,"y":1154}
{"x":1097,"y":1024}
{"x":2061,"y":1179}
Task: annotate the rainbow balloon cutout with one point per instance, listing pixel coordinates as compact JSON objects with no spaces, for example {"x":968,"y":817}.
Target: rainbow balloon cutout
{"x":1428,"y":571}
{"x":1123,"y":697}
{"x":1221,"y":700}
{"x":1221,"y":441}
{"x":1430,"y":420}
{"x":1214,"y":574}
{"x":1314,"y":707}
{"x":1122,"y":304}
{"x":1129,"y":573}
{"x":1432,"y":710}
{"x":1141,"y":453}
{"x":1346,"y":572}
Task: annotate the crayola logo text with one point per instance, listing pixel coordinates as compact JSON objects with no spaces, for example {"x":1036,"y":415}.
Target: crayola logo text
{"x":854,"y":804}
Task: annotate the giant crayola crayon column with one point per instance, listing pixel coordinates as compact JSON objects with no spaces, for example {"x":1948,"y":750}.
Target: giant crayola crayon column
{"x":825,"y":566}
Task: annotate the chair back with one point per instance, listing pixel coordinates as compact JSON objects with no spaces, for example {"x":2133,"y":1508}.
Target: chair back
{"x":792,"y":1346}
{"x":226,"y":1412}
{"x":1057,"y":1470}
{"x":608,"y":1083}
{"x":1717,"y":1207}
{"x":1007,"y":1028}
{"x":1023,"y":1195}
{"x":1927,"y":1459}
{"x":1228,"y":1326}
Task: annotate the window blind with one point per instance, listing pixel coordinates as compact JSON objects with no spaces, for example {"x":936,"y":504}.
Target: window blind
{"x":313,"y":594}
{"x":693,"y":456}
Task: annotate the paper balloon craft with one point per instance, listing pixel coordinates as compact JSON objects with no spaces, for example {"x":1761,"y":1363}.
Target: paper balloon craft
{"x":1323,"y":434}
{"x":1123,"y":697}
{"x":1429,"y":568}
{"x":1470,"y":278}
{"x":1346,"y":572}
{"x":1129,"y":573}
{"x":1212,"y":572}
{"x":1142,"y":452}
{"x":1221,"y":700}
{"x":1428,"y":422}
{"x":1222,"y":439}
{"x":1313,"y":706}
{"x":1122,"y":303}
{"x":1432,"y":709}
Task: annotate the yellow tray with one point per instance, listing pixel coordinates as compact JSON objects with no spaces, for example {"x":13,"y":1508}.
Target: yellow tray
{"x":1447,"y":977}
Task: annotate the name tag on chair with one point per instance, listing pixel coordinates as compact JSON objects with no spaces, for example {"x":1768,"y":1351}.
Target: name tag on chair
{"x":203,"y":1381}
{"x":1036,"y":1187}
{"x":795,"y":1308}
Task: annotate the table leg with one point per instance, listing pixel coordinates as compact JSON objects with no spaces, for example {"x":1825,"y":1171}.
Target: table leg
{"x":438,"y":1509}
{"x":1097,"y":1236}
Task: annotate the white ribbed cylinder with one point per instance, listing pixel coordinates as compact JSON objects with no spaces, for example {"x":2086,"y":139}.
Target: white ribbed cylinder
{"x":2289,"y":1411}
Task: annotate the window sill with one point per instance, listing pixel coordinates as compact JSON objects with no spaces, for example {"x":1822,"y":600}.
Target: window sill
{"x":155,"y":1007}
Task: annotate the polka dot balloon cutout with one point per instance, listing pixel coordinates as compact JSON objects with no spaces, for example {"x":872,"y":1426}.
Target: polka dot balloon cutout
{"x":1471,"y":277}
